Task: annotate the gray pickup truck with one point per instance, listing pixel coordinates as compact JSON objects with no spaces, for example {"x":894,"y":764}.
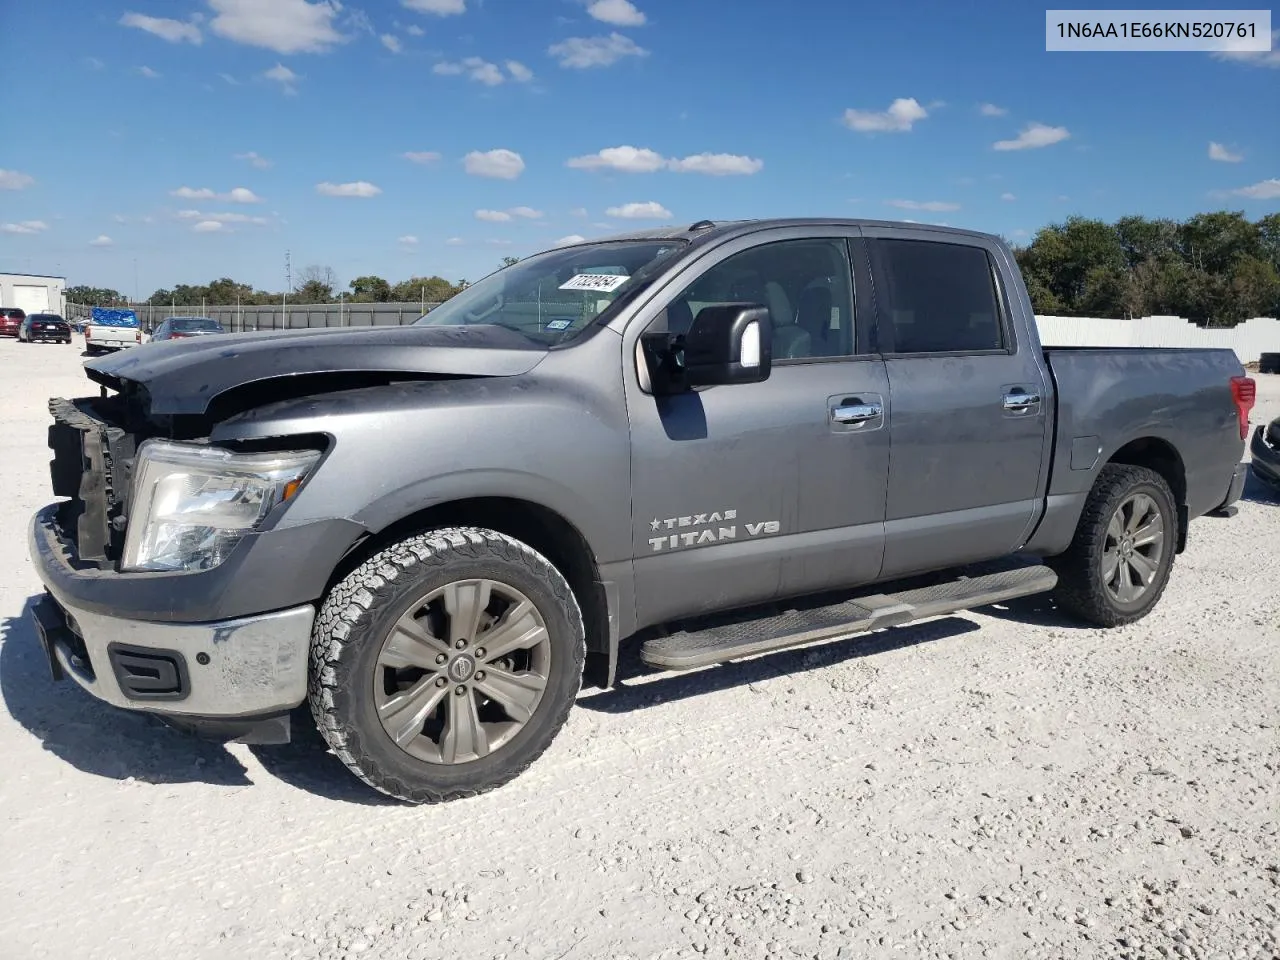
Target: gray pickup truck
{"x":715,"y":441}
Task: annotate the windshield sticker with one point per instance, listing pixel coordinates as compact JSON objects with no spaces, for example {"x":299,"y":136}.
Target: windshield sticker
{"x":559,"y":324}
{"x":594,"y":281}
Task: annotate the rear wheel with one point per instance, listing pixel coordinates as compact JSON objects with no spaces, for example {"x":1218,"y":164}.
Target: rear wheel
{"x":1118,"y":565}
{"x":444,"y":665}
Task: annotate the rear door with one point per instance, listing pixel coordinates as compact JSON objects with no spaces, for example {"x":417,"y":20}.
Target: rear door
{"x":746,"y":492}
{"x":968,"y":407}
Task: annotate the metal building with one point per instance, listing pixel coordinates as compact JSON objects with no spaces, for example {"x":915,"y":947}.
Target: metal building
{"x":33,"y":293}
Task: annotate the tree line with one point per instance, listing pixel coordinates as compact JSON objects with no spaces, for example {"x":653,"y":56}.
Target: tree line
{"x":1216,"y":269}
{"x":315,"y":285}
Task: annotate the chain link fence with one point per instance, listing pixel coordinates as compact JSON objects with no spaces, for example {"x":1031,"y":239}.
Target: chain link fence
{"x":238,"y":319}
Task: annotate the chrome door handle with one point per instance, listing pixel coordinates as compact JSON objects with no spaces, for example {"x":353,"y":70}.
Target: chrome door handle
{"x":856,"y":412}
{"x":1020,"y":402}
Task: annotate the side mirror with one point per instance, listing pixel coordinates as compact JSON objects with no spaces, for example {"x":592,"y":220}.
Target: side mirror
{"x":726,"y":344}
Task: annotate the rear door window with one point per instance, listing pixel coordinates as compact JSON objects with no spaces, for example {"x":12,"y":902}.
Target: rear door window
{"x":934,"y":297}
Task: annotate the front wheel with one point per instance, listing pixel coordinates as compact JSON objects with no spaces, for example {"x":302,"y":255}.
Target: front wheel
{"x":1118,"y":564}
{"x":444,"y":665}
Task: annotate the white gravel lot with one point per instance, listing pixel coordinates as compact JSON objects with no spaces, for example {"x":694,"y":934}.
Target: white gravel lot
{"x":995,"y":784}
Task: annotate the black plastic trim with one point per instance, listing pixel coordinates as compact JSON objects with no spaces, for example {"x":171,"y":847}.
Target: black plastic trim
{"x":130,"y":664}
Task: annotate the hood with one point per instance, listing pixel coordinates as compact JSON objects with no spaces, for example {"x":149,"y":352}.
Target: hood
{"x":185,"y":376}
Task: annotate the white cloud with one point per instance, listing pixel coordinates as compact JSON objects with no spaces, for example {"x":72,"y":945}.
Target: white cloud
{"x":527,"y":213}
{"x":476,"y":68}
{"x":1262,"y":190}
{"x":519,"y":72}
{"x":409,"y":240}
{"x":209,"y":226}
{"x":230,"y":79}
{"x":441,"y":8}
{"x":1218,"y":152}
{"x":901,"y":115}
{"x":94,"y":63}
{"x":194,"y":193}
{"x":624,"y":159}
{"x":578,"y":212}
{"x":571,"y":238}
{"x":175,"y":31}
{"x":718,"y":165}
{"x":285,"y":26}
{"x":391,"y":42}
{"x":1007,"y":196}
{"x":255,"y":159}
{"x":102,"y":240}
{"x":493,"y":216}
{"x":620,"y":13}
{"x":359,"y":188}
{"x":1034,"y":135}
{"x":283,"y":76}
{"x":26,"y":226}
{"x":14,"y":180}
{"x":991,"y":110}
{"x":629,"y":159}
{"x":149,"y":73}
{"x":1254,"y":58}
{"x":454,"y":242}
{"x":498,"y":243}
{"x":649,"y":210}
{"x":120,"y":218}
{"x":415,"y":31}
{"x":933,"y":206}
{"x":498,"y":164}
{"x":421,"y":156}
{"x":581,"y":53}
{"x":235,"y":195}
{"x":222,"y":217}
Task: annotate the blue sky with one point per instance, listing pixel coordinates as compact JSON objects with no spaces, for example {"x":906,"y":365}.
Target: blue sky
{"x":204,"y":138}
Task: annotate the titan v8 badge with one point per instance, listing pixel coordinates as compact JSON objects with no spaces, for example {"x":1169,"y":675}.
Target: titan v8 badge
{"x":709,"y":528}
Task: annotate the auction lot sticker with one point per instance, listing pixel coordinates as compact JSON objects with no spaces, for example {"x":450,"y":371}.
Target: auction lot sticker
{"x":1229,"y":31}
{"x":600,"y":282}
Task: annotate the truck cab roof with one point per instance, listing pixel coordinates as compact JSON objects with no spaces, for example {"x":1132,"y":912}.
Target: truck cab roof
{"x":721,"y":229}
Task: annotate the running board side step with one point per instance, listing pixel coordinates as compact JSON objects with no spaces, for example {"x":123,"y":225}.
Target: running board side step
{"x":689,"y":650}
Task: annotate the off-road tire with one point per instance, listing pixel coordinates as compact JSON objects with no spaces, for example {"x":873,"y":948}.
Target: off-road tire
{"x":1080,"y":591}
{"x":356,"y":616}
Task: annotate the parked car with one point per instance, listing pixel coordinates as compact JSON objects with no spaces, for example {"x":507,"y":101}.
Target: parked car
{"x":713,"y":441}
{"x":176,"y":328}
{"x":10,"y":320}
{"x":44,"y":326}
{"x":110,"y":330}
{"x":1265,"y":449}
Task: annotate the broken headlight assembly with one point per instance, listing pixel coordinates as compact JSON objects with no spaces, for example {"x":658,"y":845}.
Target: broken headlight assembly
{"x":192,"y":504}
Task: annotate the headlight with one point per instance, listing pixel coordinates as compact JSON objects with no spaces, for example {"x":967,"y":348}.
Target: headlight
{"x":191,"y":504}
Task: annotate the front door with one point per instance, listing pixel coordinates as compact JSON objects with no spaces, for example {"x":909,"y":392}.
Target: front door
{"x":969,"y":405}
{"x":748,"y":492}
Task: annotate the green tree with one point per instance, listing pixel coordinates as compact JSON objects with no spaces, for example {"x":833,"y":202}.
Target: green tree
{"x":430,"y":289}
{"x":510,"y":261}
{"x":370,"y":289}
{"x":93,"y":296}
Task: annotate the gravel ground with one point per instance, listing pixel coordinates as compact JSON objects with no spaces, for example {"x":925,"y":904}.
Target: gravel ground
{"x":996,"y":784}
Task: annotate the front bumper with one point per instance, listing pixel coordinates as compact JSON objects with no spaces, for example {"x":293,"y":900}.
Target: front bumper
{"x":1266,"y":457}
{"x":244,"y":668}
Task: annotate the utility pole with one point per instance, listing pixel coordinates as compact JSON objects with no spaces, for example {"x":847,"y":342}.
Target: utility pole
{"x":288,"y":285}
{"x":135,"y":280}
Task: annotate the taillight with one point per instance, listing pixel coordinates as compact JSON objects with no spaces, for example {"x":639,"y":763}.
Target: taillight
{"x":1244,"y":392}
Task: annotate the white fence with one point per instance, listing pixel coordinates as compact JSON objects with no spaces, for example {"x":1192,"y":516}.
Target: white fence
{"x":1249,"y":339}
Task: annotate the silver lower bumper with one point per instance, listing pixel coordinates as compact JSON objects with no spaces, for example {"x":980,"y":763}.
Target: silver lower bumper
{"x":226,"y":669}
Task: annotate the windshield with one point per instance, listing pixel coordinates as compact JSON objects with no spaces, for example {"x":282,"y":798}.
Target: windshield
{"x":552,"y":297}
{"x":195,"y":323}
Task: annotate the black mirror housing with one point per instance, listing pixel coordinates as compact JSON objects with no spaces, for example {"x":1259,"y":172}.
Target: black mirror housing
{"x":726,"y":344}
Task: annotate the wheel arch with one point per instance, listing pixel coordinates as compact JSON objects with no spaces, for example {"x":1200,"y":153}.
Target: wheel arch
{"x":542,"y":528}
{"x":1158,"y":454}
